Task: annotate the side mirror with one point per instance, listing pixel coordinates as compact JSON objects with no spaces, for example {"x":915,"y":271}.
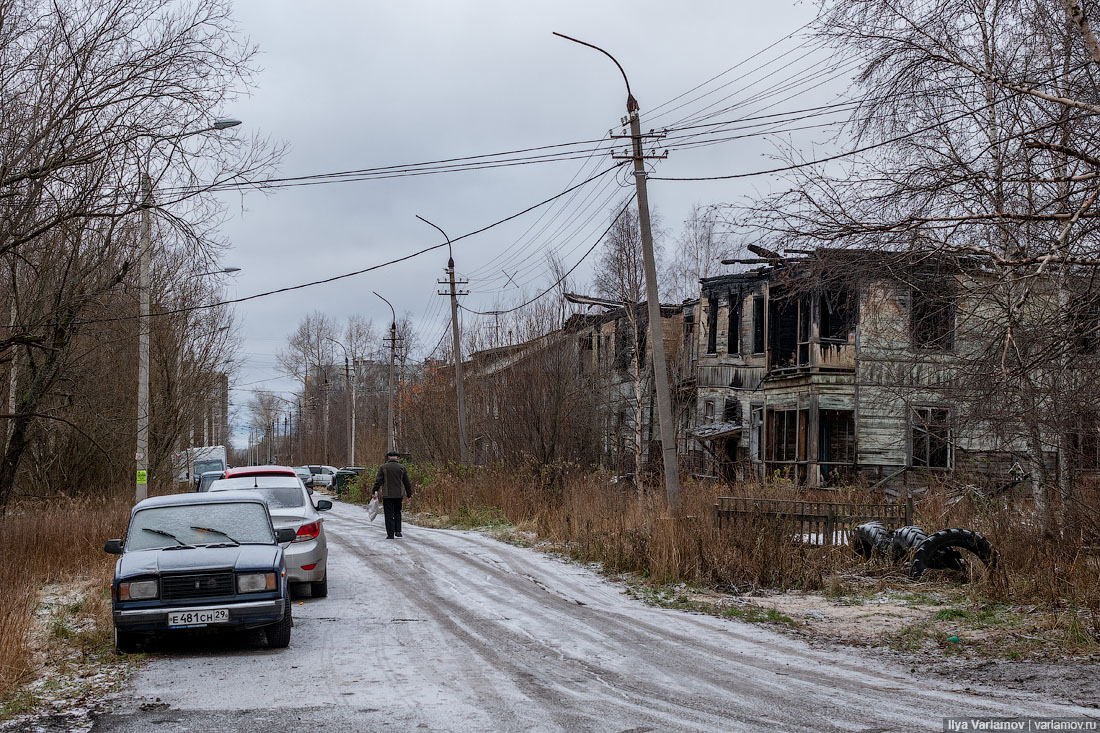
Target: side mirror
{"x":113,"y":547}
{"x":286,"y":534}
{"x":323,"y":505}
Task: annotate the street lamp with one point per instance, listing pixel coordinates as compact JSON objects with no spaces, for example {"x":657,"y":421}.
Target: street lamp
{"x":141,"y":453}
{"x":653,"y":304}
{"x":463,"y":450}
{"x":393,"y":397}
{"x":223,"y":271}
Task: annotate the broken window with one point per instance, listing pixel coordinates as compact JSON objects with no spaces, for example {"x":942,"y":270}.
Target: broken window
{"x":708,"y":411}
{"x":787,"y":435}
{"x":932,"y":313}
{"x":1084,"y":314}
{"x":733,"y":327}
{"x":1084,"y":442}
{"x":931,"y":437}
{"x":837,"y":315}
{"x":758,"y":324}
{"x":785,"y":329}
{"x":712,"y":325}
{"x":624,"y":344}
{"x":732,"y":411}
{"x":837,"y":437}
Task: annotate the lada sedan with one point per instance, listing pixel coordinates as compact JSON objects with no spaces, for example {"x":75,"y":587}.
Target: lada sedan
{"x":200,"y":561}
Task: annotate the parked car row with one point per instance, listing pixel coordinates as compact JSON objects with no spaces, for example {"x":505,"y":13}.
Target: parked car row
{"x":223,"y":557}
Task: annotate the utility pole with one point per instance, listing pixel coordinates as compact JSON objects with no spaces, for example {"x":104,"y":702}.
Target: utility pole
{"x":653,"y":304}
{"x":351,"y":411}
{"x":391,"y":424}
{"x":462,"y":446}
{"x":141,"y":454}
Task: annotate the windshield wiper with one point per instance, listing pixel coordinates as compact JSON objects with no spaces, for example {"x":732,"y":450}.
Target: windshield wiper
{"x":215,"y":531}
{"x":182,"y":545}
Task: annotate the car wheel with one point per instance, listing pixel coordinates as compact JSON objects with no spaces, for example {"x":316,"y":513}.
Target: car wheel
{"x":126,"y":641}
{"x":319,"y":589}
{"x":278,"y":634}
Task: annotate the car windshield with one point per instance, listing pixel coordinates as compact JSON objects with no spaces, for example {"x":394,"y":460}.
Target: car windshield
{"x":245,"y":522}
{"x":254,"y":482}
{"x":205,"y":481}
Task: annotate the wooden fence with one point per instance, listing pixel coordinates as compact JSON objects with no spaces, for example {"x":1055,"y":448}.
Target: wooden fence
{"x":818,"y":522}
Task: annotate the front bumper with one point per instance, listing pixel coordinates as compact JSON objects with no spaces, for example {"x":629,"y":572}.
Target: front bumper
{"x":241,"y":615}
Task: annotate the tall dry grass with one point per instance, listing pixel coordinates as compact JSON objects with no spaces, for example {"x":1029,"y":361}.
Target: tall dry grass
{"x":597,"y":521}
{"x":49,"y":542}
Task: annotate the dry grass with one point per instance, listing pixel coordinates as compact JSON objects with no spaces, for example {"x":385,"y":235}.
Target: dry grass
{"x":594,"y":520}
{"x":50,"y":543}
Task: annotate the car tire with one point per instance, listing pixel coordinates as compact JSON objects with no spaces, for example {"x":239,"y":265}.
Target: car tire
{"x":278,"y":634}
{"x":126,"y":642}
{"x":869,"y":538}
{"x":319,"y":589}
{"x":940,"y":551}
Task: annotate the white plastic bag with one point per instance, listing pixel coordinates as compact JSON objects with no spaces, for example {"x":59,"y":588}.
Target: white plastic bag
{"x":372,"y":509}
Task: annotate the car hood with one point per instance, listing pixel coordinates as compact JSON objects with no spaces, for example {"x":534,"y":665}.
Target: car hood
{"x":156,"y":562}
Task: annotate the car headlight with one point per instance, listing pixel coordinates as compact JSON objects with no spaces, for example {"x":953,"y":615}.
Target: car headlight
{"x":255,"y":582}
{"x":138,"y":590}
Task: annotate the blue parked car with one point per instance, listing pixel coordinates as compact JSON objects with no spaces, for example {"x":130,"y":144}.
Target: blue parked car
{"x":200,"y":561}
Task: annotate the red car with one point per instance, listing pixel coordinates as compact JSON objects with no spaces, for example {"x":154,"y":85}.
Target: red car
{"x":241,"y":471}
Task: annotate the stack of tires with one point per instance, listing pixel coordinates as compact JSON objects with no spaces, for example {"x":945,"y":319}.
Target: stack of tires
{"x":939,"y":551}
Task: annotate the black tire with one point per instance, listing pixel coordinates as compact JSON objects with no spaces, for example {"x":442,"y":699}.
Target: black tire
{"x":905,"y":541}
{"x":941,"y":551}
{"x":319,"y":589}
{"x":127,"y":642}
{"x":278,"y":634}
{"x":870,"y":537}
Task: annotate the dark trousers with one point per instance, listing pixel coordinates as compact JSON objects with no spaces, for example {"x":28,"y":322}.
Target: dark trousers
{"x":392,"y":509}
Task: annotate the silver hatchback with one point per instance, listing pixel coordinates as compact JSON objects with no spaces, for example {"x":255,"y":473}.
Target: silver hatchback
{"x":293,"y":508}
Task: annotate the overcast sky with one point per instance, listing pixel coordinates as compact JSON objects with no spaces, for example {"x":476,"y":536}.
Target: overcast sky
{"x":351,"y":85}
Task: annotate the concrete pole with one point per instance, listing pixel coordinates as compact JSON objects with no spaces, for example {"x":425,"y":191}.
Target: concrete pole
{"x":656,"y":330}
{"x":464,"y":455}
{"x":351,"y":412}
{"x":393,"y":385}
{"x":354,"y":404}
{"x":141,"y":453}
{"x":653,"y":304}
{"x":463,"y":450}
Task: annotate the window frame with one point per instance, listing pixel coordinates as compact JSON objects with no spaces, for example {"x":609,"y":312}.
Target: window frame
{"x":923,"y":427}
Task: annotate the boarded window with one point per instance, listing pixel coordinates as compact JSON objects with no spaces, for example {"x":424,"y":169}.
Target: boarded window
{"x":712,"y":325}
{"x":931,"y":437}
{"x":733,"y":326}
{"x":932,"y":314}
{"x":758,"y":324}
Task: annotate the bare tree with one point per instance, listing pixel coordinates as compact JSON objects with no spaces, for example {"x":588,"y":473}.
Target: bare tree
{"x":697,"y":253}
{"x":107,"y":109}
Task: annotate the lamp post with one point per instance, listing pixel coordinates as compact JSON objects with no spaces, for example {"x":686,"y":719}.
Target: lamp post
{"x":351,"y":408}
{"x":391,"y":432}
{"x":462,"y":448}
{"x":141,"y":453}
{"x":653,"y":305}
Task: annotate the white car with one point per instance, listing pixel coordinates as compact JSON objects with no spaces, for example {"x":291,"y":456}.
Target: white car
{"x":322,"y":476}
{"x":292,"y":507}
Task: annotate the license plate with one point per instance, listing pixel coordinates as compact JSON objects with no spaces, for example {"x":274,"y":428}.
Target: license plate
{"x":199,"y":617}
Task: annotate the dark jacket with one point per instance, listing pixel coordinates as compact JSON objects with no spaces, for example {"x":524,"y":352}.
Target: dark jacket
{"x":392,"y":478}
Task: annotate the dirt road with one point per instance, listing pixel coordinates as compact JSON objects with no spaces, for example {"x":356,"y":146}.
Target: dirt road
{"x":453,"y":631}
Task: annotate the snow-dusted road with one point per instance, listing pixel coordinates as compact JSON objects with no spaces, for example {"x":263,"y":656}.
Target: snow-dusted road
{"x":452,"y":631}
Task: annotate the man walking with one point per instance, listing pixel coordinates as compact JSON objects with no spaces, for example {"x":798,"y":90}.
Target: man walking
{"x":393,"y":480}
